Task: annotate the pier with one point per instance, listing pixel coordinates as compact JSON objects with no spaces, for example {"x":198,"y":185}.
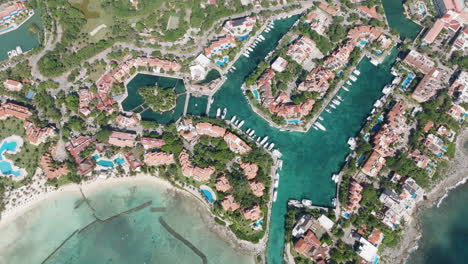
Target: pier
{"x":86,"y":200}
{"x":187,"y":100}
{"x":183,"y":240}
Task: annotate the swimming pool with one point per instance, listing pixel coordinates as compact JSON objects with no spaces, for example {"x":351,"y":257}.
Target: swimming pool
{"x":208,"y":195}
{"x":258,"y":223}
{"x":422,"y":9}
{"x":378,"y":52}
{"x":407,"y":81}
{"x":255,"y":93}
{"x":222,"y":62}
{"x":5,"y":166}
{"x":293,"y":121}
{"x":119,"y":161}
{"x":105,"y":163}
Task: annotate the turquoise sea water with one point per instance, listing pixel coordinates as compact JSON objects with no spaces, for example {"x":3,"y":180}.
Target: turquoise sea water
{"x":20,"y":37}
{"x":398,"y":21}
{"x":133,"y":238}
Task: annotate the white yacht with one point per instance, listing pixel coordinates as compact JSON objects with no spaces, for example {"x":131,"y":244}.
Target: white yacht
{"x":320,"y":126}
{"x":233,"y":119}
{"x":348,"y":82}
{"x":218,"y":112}
{"x":240,"y":124}
{"x":328,"y":110}
{"x":353,"y":78}
{"x":320,"y":118}
{"x":345,"y":88}
{"x":352,"y":143}
{"x":357,"y":72}
{"x":252,"y":133}
{"x":340,"y":98}
{"x":275,"y":194}
{"x":336,"y":102}
{"x":333,"y":106}
{"x":223,"y":116}
{"x":271,"y":146}
{"x":248,"y":131}
{"x":264,"y":140}
{"x":19,"y":50}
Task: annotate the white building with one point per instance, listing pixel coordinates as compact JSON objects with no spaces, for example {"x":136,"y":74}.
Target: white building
{"x":279,"y":65}
{"x":367,"y":251}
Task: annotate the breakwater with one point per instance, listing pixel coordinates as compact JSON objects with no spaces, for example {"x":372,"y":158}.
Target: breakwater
{"x":183,"y":240}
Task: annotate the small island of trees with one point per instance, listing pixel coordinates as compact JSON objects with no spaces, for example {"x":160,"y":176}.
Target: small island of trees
{"x":158,"y":98}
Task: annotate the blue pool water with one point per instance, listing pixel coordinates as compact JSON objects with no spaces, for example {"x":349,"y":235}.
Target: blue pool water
{"x":246,"y":36}
{"x":255,"y":93}
{"x":208,"y":195}
{"x":422,"y":9}
{"x":407,"y":81}
{"x":5,"y":166}
{"x":224,"y":61}
{"x":259,"y":222}
{"x":95,"y":156}
{"x":105,"y":163}
{"x":293,"y":121}
{"x":119,"y":161}
{"x":378,"y":52}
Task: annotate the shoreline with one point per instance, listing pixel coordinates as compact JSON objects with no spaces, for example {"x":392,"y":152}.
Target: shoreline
{"x":455,"y":176}
{"x":223,"y":232}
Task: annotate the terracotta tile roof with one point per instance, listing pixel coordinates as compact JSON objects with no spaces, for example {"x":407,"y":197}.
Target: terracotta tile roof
{"x":222,"y":184}
{"x":158,"y":158}
{"x":229,"y":203}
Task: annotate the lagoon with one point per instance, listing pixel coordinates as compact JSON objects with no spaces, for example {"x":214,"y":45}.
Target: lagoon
{"x":398,"y":21}
{"x":20,"y":37}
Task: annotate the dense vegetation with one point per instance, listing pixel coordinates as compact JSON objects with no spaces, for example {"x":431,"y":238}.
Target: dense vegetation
{"x":158,"y":98}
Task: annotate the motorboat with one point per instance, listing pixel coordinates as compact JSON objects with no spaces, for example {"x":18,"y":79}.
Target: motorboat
{"x":320,"y":126}
{"x":218,"y":112}
{"x":223,"y":116}
{"x":352,"y":143}
{"x":240,"y":124}
{"x":233,"y":119}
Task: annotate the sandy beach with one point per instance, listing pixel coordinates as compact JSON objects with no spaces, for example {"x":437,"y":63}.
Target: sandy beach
{"x":456,"y":175}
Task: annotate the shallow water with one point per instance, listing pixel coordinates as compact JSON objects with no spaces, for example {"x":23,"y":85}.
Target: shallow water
{"x":134,"y":238}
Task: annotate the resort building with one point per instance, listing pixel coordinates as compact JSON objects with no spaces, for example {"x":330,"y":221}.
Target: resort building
{"x":461,"y":43}
{"x":257,"y":188}
{"x":428,"y":86}
{"x":367,"y":251}
{"x":376,"y":237}
{"x":9,"y":13}
{"x":318,"y":21}
{"x":340,"y":56}
{"x":198,"y":70}
{"x":10,"y":109}
{"x":354,"y":196}
{"x":369,"y":12}
{"x":363,"y":35}
{"x":187,"y":130}
{"x":85,"y":166}
{"x":303,"y":49}
{"x":12,"y":85}
{"x":279,"y":65}
{"x":458,"y":113}
{"x":400,"y":207}
{"x":207,"y":129}
{"x":122,"y":139}
{"x":451,"y":21}
{"x":240,"y":27}
{"x":419,"y":61}
{"x":125,"y":121}
{"x":435,"y":145}
{"x":253,"y":213}
{"x":250,"y":170}
{"x":421,"y":160}
{"x":222,"y":184}
{"x":229,"y":203}
{"x":217,"y":47}
{"x":51,"y":170}
{"x":391,"y":132}
{"x":188,"y":170}
{"x":304,"y":224}
{"x":36,"y":135}
{"x":85,"y":97}
{"x":76,"y":145}
{"x":150,"y":143}
{"x":282,"y":106}
{"x":448,"y":133}
{"x":236,"y":144}
{"x":459,"y":89}
{"x":306,"y":244}
{"x":331,"y":10}
{"x":133,"y":161}
{"x":373,"y":164}
{"x":158,"y":158}
{"x":317,"y":81}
